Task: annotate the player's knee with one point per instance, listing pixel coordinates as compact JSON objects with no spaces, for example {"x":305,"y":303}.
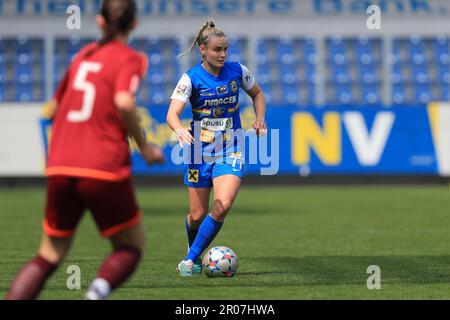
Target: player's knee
{"x":196,"y":218}
{"x":221,"y":208}
{"x":134,"y":239}
{"x":52,"y":256}
{"x":54,"y":250}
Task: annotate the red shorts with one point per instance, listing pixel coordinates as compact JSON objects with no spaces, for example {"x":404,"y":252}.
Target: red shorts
{"x":112,"y":204}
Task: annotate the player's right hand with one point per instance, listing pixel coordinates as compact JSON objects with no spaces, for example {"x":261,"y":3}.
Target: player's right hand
{"x":184,"y":136}
{"x":152,"y":154}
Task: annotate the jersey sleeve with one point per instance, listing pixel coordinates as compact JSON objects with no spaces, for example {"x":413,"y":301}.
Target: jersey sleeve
{"x":130,"y":74}
{"x":183,"y":89}
{"x":248,"y":80}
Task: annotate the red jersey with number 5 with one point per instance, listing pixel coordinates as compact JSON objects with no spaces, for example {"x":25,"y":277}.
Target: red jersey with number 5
{"x":88,"y":138}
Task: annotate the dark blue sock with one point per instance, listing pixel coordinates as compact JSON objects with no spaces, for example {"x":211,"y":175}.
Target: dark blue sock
{"x":206,"y":234}
{"x":191,"y":234}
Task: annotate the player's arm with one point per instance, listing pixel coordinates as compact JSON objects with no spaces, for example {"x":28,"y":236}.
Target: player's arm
{"x":176,"y":108}
{"x":126,"y":85}
{"x":50,"y":109}
{"x":255,"y":92}
{"x":125,"y":102}
{"x":177,"y":104}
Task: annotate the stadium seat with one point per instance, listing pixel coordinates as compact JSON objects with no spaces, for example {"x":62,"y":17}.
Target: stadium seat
{"x":290,"y":94}
{"x":24,"y":93}
{"x":444,"y":93}
{"x":422,"y":93}
{"x":370,"y":94}
{"x":309,"y":95}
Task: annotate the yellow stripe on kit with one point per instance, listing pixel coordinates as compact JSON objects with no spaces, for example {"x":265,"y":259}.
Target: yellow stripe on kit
{"x":202,"y":111}
{"x":233,"y":109}
{"x":207,"y":111}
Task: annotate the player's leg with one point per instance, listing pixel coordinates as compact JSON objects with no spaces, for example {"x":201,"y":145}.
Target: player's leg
{"x":29,"y":282}
{"x":128,"y":248}
{"x":198,"y":208}
{"x":115,"y":211}
{"x":197,"y":177}
{"x":226,"y":188}
{"x":63,"y":211}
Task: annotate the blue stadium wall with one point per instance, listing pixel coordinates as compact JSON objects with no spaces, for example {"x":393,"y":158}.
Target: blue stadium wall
{"x":330,"y":141}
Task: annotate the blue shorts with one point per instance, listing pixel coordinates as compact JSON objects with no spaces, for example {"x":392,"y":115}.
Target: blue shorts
{"x":202,"y":175}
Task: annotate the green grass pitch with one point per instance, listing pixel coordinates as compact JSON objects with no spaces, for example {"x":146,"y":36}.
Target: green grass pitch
{"x":312,"y":242}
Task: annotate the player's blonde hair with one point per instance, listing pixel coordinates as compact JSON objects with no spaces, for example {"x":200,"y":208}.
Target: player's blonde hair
{"x":207,"y":31}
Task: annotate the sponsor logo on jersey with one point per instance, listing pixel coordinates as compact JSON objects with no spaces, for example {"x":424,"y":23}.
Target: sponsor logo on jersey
{"x":206,"y":92}
{"x":221,"y":101}
{"x":181,"y":89}
{"x":218,"y":112}
{"x":193,"y":175}
{"x":222,"y":89}
{"x":234,"y":86}
{"x":219,"y":124}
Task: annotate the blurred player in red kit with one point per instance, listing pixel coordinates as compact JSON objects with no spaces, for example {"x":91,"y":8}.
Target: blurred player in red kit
{"x":89,"y":164}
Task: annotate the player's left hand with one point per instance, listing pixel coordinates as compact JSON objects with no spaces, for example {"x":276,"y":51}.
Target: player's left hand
{"x":260,"y":127}
{"x":152,"y":154}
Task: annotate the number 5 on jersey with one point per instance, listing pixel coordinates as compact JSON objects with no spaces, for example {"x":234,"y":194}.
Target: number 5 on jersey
{"x":81,"y":83}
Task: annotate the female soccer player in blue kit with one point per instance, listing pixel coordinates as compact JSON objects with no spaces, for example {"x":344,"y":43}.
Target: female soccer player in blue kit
{"x":212,"y":87}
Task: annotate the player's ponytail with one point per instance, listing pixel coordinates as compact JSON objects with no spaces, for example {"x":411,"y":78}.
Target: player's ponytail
{"x":207,"y":31}
{"x":119,"y":16}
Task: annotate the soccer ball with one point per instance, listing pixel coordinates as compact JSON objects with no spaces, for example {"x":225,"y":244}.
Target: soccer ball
{"x":220,"y":262}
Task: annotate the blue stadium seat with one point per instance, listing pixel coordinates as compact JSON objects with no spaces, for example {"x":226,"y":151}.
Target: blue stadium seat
{"x":443,"y":59}
{"x":342,"y":78}
{"x":268,"y":92}
{"x":156,"y":78}
{"x":234,"y":45}
{"x":343,"y":94}
{"x":263,"y":73}
{"x":365,"y":59}
{"x":310,"y":94}
{"x":368,"y":77}
{"x":444,"y":93}
{"x":415,"y":45}
{"x":23,"y":45}
{"x":288,"y":73}
{"x":24,"y":93}
{"x":73,"y":45}
{"x":336,"y":45}
{"x":290,"y":94}
{"x":285,"y":45}
{"x":397,"y":73}
{"x":363,"y":45}
{"x":444,"y":76}
{"x":370,"y":94}
{"x":396,"y":47}
{"x":156,"y":94}
{"x":422,"y":93}
{"x":441,"y":45}
{"x":398,"y":95}
{"x":421,"y":77}
{"x":262,"y":47}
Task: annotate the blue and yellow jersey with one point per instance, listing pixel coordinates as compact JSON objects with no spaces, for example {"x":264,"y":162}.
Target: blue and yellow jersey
{"x":214,"y":101}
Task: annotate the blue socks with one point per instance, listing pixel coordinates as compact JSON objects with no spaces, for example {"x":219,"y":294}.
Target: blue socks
{"x":206,"y":234}
{"x":191,"y":233}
